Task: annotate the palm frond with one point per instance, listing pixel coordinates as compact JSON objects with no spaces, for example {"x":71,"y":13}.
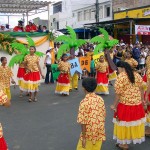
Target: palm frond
{"x":63,"y":38}
{"x":105,"y":33}
{"x":30,"y":41}
{"x":112,"y":43}
{"x":71,"y":32}
{"x":16,"y":60}
{"x":40,"y":54}
{"x":19,"y":47}
{"x":80,"y":42}
{"x":99,"y":48}
{"x":97,"y":39}
{"x":63,"y":49}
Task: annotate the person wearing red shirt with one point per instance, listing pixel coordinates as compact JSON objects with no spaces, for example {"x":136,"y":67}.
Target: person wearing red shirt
{"x":31,"y":27}
{"x":20,"y":27}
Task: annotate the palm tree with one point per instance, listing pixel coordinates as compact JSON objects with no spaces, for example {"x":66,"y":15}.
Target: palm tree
{"x":22,"y":51}
{"x":103,"y":42}
{"x":70,"y":43}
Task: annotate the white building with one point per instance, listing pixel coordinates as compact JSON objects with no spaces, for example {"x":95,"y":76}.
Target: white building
{"x":76,"y":13}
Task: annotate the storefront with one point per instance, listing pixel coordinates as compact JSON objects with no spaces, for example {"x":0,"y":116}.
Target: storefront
{"x":136,"y":16}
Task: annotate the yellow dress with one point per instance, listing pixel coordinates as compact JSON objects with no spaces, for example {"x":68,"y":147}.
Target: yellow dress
{"x":63,"y":82}
{"x":129,"y":120}
{"x":74,"y":81}
{"x":92,"y":113}
{"x":31,"y":79}
{"x":5,"y":76}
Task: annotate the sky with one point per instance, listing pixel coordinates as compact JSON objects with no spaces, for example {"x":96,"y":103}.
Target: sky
{"x":13,"y":20}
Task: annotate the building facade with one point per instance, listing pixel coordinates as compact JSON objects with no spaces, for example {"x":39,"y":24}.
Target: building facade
{"x":132,"y":12}
{"x":76,"y":13}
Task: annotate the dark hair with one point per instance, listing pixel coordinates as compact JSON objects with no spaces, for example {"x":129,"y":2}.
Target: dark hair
{"x":129,"y":53}
{"x":89,"y":84}
{"x":47,"y":51}
{"x":2,"y":59}
{"x":34,"y":48}
{"x":128,"y":70}
{"x":45,"y":27}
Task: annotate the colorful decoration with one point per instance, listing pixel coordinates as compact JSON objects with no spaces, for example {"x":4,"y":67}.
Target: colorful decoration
{"x":75,"y":66}
{"x":55,"y":71}
{"x":5,"y":43}
{"x":21,"y":51}
{"x":103,"y":42}
{"x":70,"y":43}
{"x":85,"y":63}
{"x":96,"y":57}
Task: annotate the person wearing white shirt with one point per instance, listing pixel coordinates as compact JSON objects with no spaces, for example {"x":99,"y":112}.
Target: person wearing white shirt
{"x":47,"y":64}
{"x":79,"y":50}
{"x":142,"y":58}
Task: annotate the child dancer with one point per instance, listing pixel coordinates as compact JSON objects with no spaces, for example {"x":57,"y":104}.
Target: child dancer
{"x":31,"y":78}
{"x":91,"y":116}
{"x":63,"y":82}
{"x":5,"y":76}
{"x":4,"y":102}
{"x":132,"y":62}
{"x":101,"y":75}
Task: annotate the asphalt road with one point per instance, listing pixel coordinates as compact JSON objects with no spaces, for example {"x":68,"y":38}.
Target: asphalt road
{"x":50,"y":123}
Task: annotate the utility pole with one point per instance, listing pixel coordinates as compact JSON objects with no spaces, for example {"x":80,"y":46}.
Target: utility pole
{"x":97,"y":11}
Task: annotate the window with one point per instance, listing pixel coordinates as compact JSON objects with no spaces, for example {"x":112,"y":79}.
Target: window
{"x":107,"y":11}
{"x":80,"y":16}
{"x":92,"y":15}
{"x":101,"y":12}
{"x":57,"y":7}
{"x":86,"y":15}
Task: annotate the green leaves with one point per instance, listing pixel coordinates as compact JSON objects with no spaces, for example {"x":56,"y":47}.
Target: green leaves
{"x":17,"y":59}
{"x":105,"y":33}
{"x":19,"y":47}
{"x":63,"y":38}
{"x":71,"y":32}
{"x":98,"y":49}
{"x":80,"y":42}
{"x":112,"y":43}
{"x":63,"y":49}
{"x":97,"y":39}
{"x":30,"y":41}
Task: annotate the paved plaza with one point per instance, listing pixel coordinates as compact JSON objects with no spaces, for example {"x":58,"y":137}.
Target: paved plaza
{"x":50,"y":123}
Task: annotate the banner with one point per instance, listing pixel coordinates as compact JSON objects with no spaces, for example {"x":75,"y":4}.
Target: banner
{"x":85,"y":63}
{"x":142,"y":30}
{"x":75,"y":66}
{"x":55,"y":71}
{"x":96,"y":57}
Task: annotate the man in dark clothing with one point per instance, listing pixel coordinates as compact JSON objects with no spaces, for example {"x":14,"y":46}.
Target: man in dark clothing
{"x":136,"y":52}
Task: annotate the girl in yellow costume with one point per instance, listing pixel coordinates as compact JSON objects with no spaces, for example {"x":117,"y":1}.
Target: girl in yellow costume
{"x":31,"y":78}
{"x":129,"y":119}
{"x":63,"y":82}
{"x":101,"y":75}
{"x":132,"y":62}
{"x":4,"y":102}
{"x":5,"y":76}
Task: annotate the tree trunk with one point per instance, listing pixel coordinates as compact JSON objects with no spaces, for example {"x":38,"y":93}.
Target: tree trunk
{"x":72,"y":51}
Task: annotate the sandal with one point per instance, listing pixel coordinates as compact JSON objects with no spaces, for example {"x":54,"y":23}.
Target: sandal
{"x":30,"y":100}
{"x":35,"y":99}
{"x":120,"y":147}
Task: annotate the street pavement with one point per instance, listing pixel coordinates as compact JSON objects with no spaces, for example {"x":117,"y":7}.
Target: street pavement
{"x":50,"y":123}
